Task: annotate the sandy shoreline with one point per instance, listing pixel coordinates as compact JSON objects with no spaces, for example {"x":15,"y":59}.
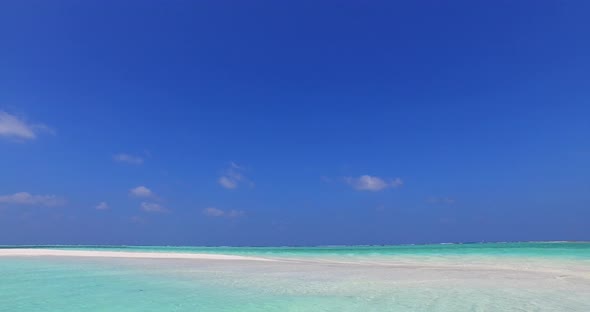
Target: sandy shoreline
{"x":457,"y":264}
{"x":121,"y":254}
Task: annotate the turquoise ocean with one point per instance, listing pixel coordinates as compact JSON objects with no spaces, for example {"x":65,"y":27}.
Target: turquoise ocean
{"x":542,"y":276}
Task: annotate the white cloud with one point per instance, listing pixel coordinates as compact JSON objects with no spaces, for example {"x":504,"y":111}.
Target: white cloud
{"x":102,"y":206}
{"x":213,"y":212}
{"x":371,"y":183}
{"x":141,"y":191}
{"x":397,"y":182}
{"x":24,"y":198}
{"x":152,"y":207}
{"x":128,"y":159}
{"x":233,"y":176}
{"x":13,"y":127}
{"x":216,"y":212}
{"x":228,"y":182}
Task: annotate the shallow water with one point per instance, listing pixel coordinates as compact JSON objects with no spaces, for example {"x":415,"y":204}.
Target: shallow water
{"x":444,"y":278}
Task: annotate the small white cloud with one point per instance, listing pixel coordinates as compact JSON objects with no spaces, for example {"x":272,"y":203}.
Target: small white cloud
{"x":216,"y":212}
{"x":397,"y":182}
{"x":371,"y":183}
{"x":152,"y":207}
{"x":102,"y":206}
{"x":213,"y":212}
{"x":228,"y":182}
{"x":141,"y":191}
{"x":24,"y":198}
{"x":13,"y":127}
{"x":233,"y":176}
{"x":128,"y":159}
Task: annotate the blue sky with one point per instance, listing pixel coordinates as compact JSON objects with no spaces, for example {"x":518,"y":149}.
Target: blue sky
{"x":301,"y":123}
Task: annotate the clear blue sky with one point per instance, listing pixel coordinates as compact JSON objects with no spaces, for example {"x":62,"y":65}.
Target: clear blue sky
{"x":293,"y":122}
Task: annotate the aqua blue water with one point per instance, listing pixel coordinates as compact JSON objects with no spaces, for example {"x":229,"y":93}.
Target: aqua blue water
{"x":540,"y":249}
{"x":444,"y":278}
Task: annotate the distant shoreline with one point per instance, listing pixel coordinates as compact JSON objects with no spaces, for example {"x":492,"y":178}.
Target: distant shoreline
{"x":24,"y":252}
{"x":51,"y":246}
